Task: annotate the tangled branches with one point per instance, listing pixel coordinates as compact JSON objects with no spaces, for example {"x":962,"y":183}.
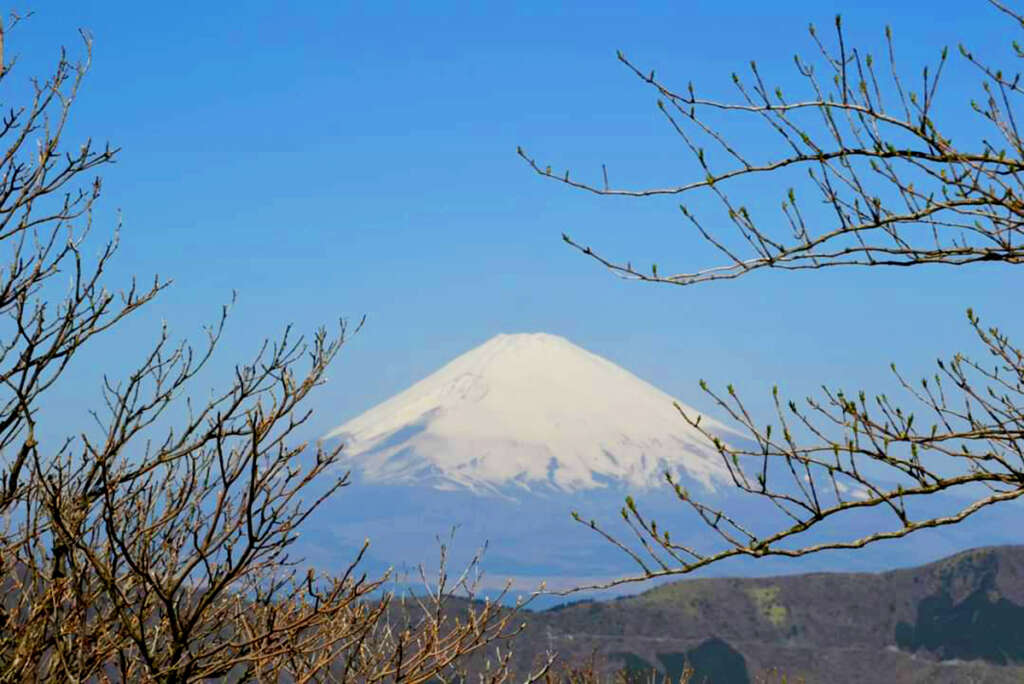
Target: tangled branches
{"x":898,"y":192}
{"x":156,"y":547}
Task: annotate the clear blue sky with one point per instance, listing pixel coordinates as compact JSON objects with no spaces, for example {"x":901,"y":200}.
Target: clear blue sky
{"x":331,"y":159}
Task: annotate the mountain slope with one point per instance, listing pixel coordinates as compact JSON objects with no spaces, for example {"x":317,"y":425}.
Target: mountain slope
{"x":529,"y":410}
{"x":960,"y":619}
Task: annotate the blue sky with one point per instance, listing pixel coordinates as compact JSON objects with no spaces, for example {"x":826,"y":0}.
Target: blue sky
{"x":335,"y":159}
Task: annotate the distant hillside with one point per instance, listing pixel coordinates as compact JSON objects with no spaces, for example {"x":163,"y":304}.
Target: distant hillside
{"x":957,"y":620}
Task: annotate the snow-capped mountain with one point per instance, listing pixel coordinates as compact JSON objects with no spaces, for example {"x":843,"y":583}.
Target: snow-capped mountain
{"x":529,"y":411}
{"x":551,"y":428}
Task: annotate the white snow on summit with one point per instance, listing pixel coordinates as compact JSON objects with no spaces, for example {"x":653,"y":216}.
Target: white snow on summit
{"x":529,"y":410}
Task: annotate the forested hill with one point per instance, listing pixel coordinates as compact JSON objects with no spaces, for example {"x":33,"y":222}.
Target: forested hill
{"x":959,"y":619}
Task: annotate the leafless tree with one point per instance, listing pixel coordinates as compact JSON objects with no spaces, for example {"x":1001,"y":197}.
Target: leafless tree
{"x":155,"y":545}
{"x":867,"y":142}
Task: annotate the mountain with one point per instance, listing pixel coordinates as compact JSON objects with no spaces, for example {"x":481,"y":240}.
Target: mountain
{"x":960,"y":619}
{"x":505,"y":441}
{"x":526,"y":412}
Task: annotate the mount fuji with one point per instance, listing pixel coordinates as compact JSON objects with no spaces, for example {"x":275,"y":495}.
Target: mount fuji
{"x":505,"y":441}
{"x":530,"y":412}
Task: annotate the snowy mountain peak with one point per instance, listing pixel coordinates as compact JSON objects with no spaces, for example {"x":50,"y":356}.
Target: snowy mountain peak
{"x":529,"y":410}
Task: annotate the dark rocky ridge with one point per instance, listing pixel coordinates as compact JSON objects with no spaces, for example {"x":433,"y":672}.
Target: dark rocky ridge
{"x":959,"y":619}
